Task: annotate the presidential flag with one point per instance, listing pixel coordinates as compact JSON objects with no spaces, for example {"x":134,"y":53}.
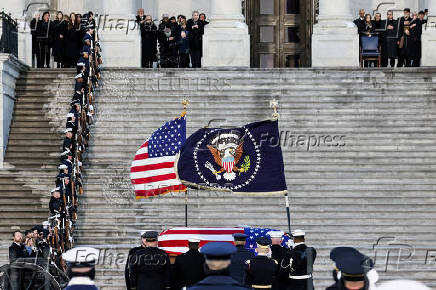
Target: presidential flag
{"x":247,"y":159}
{"x":175,"y":240}
{"x":152,"y":172}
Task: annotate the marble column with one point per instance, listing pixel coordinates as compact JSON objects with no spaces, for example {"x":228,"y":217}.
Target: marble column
{"x":119,"y":34}
{"x":428,"y":38}
{"x":226,"y":41}
{"x":335,"y":41}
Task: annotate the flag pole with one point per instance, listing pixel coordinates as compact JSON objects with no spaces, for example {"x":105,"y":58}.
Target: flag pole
{"x":185,"y":103}
{"x":274,"y":104}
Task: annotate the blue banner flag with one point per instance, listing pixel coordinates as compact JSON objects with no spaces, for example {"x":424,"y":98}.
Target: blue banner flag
{"x":247,"y":159}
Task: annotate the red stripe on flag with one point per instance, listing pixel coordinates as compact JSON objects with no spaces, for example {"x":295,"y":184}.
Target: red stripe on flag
{"x":157,"y":191}
{"x":202,"y":232}
{"x":152,"y":167}
{"x":155,"y":178}
{"x":144,"y":145}
{"x":141,"y":156}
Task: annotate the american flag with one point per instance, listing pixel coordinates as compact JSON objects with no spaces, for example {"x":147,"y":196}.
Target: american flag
{"x":175,"y":240}
{"x":152,"y":172}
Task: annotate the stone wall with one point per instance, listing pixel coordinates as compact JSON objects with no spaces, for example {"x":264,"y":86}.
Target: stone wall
{"x":10,"y":68}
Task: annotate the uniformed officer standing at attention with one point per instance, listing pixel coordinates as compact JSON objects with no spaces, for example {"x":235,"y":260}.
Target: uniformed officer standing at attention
{"x":297,"y":264}
{"x":217,"y":255}
{"x":189,"y":267}
{"x":277,"y":253}
{"x":242,"y":255}
{"x":150,"y":266}
{"x":261,"y":271}
{"x":353,"y":270}
{"x":131,"y":253}
{"x":81,"y":268}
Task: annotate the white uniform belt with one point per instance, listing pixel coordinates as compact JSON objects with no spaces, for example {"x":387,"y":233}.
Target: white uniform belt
{"x":301,"y":277}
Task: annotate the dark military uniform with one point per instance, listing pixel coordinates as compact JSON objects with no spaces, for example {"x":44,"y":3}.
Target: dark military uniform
{"x":260,"y":272}
{"x":189,"y":268}
{"x":294,"y":266}
{"x":132,"y":252}
{"x":219,"y":282}
{"x":150,"y":267}
{"x":237,"y":266}
{"x":277,"y":254}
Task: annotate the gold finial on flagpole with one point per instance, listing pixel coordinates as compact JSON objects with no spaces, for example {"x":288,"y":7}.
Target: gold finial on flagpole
{"x":185,"y":103}
{"x":274,"y":104}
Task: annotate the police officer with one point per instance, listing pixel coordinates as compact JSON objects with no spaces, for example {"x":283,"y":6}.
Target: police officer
{"x":81,"y":268}
{"x":277,"y":253}
{"x":150,"y":266}
{"x":297,"y":264}
{"x":217,"y":262}
{"x":237,"y":266}
{"x":132,"y":252}
{"x":189,"y":266}
{"x":261,"y":271}
{"x":353,"y":270}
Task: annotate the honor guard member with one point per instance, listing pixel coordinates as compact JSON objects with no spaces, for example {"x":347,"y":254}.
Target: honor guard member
{"x":68,"y":140}
{"x":352,"y":269}
{"x":150,"y":266}
{"x":277,"y":253}
{"x":237,"y":266}
{"x":132,"y":252}
{"x":297,"y":264}
{"x":189,"y":266}
{"x":55,"y":204}
{"x":217,"y":262}
{"x":81,"y":268}
{"x":68,"y":161}
{"x":261,"y":271}
{"x":63,"y":169}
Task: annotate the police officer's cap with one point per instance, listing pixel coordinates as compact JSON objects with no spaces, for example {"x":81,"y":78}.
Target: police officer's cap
{"x":68,"y":130}
{"x":75,"y":102}
{"x":193,"y":240}
{"x":218,"y":250}
{"x":78,"y":76}
{"x":352,"y":264}
{"x":150,"y":236}
{"x":276,"y":234}
{"x":240,"y":237}
{"x":298,"y":233}
{"x":81,"y":257}
{"x":263,"y":242}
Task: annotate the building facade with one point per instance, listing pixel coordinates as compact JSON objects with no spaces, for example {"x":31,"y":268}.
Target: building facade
{"x":264,"y":33}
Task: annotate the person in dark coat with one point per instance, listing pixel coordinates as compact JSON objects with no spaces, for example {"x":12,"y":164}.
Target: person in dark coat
{"x":196,"y":30}
{"x":72,"y":41}
{"x":16,"y":250}
{"x":261,"y":271}
{"x":150,"y":267}
{"x":59,"y":29}
{"x":390,"y":40}
{"x":132,"y":252}
{"x":242,"y":255}
{"x":148,"y":39}
{"x":403,"y":32}
{"x":44,"y":37}
{"x":189,"y":267}
{"x":413,"y":49}
{"x":183,"y":44}
{"x":297,"y":264}
{"x":35,"y":44}
{"x":354,"y":268}
{"x":360,"y":22}
{"x":217,"y":262}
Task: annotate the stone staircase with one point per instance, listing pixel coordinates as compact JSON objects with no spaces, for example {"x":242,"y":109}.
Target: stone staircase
{"x":379,"y":182}
{"x":376,"y":187}
{"x":32,"y":154}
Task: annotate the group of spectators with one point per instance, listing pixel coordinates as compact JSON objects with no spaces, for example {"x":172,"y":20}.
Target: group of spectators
{"x":399,"y":39}
{"x":174,"y":42}
{"x":60,"y":38}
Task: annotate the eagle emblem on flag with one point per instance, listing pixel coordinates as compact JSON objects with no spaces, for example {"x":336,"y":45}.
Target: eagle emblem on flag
{"x":227,"y":150}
